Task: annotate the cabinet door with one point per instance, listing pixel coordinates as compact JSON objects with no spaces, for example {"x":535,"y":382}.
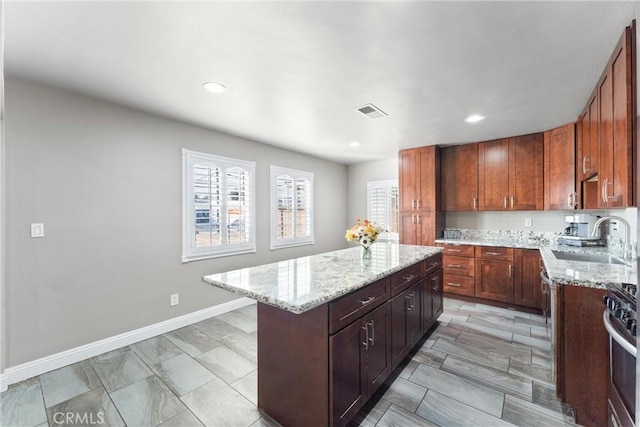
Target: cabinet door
{"x":405,"y":322}
{"x":428,"y":167}
{"x":378,"y":353}
{"x":526,"y":172}
{"x":459,"y":177}
{"x":408,"y":228}
{"x":431,"y":299}
{"x":620,"y":192}
{"x":560,"y":168}
{"x":407,"y":179}
{"x":605,"y":170}
{"x":347,"y":381}
{"x":494,"y":280}
{"x":594,"y":136}
{"x":527,"y":287}
{"x":426,"y":228}
{"x":493,"y":170}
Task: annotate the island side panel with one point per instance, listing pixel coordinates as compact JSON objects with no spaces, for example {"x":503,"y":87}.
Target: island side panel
{"x":293,"y":365}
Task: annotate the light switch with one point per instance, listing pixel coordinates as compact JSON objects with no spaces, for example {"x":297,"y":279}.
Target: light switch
{"x":37,"y":230}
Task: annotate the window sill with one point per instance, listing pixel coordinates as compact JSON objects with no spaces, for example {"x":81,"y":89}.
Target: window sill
{"x":191,"y":258}
{"x":291,"y":244}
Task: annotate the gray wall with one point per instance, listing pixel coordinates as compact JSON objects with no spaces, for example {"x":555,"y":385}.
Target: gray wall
{"x":106,"y":182}
{"x":359,"y":175}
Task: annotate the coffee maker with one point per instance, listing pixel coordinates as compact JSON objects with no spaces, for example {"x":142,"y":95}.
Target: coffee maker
{"x":578,"y":231}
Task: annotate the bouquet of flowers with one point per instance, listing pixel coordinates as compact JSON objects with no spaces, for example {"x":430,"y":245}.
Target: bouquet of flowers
{"x":364,"y":233}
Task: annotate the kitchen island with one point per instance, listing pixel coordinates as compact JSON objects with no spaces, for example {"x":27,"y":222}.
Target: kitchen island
{"x":332,"y":327}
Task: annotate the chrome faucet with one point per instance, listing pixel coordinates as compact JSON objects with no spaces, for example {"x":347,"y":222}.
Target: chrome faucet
{"x":626,"y":251}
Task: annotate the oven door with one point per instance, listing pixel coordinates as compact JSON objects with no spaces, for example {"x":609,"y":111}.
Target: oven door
{"x":622,"y":377}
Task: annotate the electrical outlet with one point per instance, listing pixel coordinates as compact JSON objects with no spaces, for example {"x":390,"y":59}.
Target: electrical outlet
{"x":175,"y":299}
{"x":527,"y":222}
{"x":37,"y":230}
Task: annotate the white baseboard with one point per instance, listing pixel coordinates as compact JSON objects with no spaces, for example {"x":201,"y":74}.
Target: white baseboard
{"x":40,"y":366}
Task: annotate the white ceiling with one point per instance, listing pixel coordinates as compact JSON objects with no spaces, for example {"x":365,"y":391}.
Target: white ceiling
{"x":296,"y":71}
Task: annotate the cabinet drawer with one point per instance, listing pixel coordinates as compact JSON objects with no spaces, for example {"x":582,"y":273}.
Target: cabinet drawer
{"x":489,"y":252}
{"x":405,"y":278}
{"x":459,"y":265}
{"x":347,"y":309}
{"x":461,"y":285}
{"x":457,"y":250}
{"x":431,"y":264}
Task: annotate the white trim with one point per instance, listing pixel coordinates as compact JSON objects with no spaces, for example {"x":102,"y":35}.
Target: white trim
{"x":40,"y":366}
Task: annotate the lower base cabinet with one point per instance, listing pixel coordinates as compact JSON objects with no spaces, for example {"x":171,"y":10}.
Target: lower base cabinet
{"x":360,"y":362}
{"x":320,"y":367}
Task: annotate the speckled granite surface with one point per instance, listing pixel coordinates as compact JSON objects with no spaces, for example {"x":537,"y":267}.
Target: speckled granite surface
{"x":300,"y":284}
{"x":560,"y":271}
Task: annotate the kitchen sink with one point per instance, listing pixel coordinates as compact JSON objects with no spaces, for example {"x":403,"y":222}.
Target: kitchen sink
{"x":599,"y":258}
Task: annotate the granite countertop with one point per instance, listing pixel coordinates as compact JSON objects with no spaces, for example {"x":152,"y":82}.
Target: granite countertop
{"x":566,"y":272}
{"x":300,"y":284}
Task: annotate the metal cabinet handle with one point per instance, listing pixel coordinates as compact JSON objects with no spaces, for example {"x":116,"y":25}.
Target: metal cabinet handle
{"x":418,"y":203}
{"x":366,"y":337}
{"x":454,"y":265}
{"x":510,"y":270}
{"x":367,"y":301}
{"x":372,"y":338}
{"x":570,"y":202}
{"x":504,"y":203}
{"x":436,"y":285}
{"x":494,"y":253}
{"x":418,"y":216}
{"x":413,"y":204}
{"x":409,"y":277}
{"x":603,"y":189}
{"x":434,"y":264}
{"x":413,"y":219}
{"x":512,"y":201}
{"x":475,"y":203}
{"x":455,"y":285}
{"x":454,"y":250}
{"x":607,"y":197}
{"x":584,"y":164}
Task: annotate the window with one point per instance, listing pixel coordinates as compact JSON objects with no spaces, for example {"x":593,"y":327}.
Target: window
{"x":217,"y":206}
{"x":382,"y":207}
{"x":291,"y":207}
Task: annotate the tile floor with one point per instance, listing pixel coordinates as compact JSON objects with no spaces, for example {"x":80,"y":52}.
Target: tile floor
{"x":481,"y":366}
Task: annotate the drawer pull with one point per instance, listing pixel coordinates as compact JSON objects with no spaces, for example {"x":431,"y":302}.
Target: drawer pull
{"x":367,"y":301}
{"x":366,"y":337}
{"x":454,"y":250}
{"x":409,"y":277}
{"x":494,"y":253}
{"x":434,"y":264}
{"x":454,"y":266}
{"x":455,"y":285}
{"x":372,"y":338}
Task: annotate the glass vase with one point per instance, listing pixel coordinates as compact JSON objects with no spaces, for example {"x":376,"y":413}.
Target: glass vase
{"x":365,"y":252}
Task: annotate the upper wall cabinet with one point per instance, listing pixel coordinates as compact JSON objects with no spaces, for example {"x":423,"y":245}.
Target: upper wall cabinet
{"x":459,"y":177}
{"x":520,"y":160}
{"x":417,"y":179}
{"x":606,"y":133}
{"x":559,"y":162}
{"x":616,"y":128}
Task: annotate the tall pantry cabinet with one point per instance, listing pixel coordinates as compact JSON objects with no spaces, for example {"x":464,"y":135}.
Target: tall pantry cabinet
{"x":421,"y":218}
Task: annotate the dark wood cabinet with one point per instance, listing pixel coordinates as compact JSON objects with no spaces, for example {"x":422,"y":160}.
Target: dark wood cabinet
{"x":520,"y":161}
{"x":526,"y":172}
{"x":360,"y":361}
{"x":329,"y":361}
{"x":494,"y":273}
{"x":493,"y":172}
{"x":588,"y":143}
{"x":459,"y":177}
{"x":405,"y":322}
{"x":560,"y":168}
{"x":421,"y":221}
{"x":583,"y":362}
{"x":527,"y":290}
{"x":418,"y":179}
{"x":431,"y":299}
{"x":616,"y":128}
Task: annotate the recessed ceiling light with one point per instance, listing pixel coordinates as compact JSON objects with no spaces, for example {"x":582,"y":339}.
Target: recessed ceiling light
{"x":474,"y":118}
{"x":354,"y":144}
{"x":214,"y":87}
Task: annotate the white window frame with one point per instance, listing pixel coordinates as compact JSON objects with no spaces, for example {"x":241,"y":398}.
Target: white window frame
{"x":279,"y":243}
{"x":189,"y":251}
{"x":387,"y":185}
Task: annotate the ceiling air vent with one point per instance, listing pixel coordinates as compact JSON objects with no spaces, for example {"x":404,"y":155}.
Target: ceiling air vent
{"x":372,"y":111}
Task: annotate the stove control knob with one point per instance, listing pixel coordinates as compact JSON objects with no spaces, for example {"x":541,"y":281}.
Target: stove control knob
{"x":613,"y":304}
{"x":633,"y":328}
{"x":621,"y":313}
{"x":605,"y":301}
